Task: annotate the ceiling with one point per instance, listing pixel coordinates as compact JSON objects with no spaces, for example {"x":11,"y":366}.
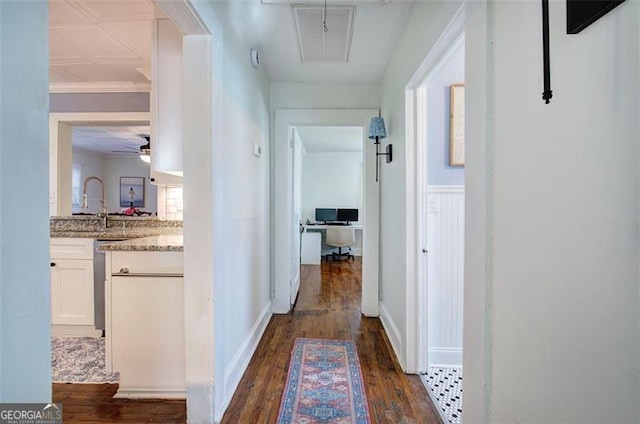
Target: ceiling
{"x":100,"y":42}
{"x":106,"y":44}
{"x":377,"y":27}
{"x":331,"y":139}
{"x":112,"y":141}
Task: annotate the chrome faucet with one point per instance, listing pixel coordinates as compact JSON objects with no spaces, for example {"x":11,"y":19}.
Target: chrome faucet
{"x":85,"y":199}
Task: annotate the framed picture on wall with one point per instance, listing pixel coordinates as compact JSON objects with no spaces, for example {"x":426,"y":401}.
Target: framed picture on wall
{"x":131,"y":192}
{"x":456,"y":137}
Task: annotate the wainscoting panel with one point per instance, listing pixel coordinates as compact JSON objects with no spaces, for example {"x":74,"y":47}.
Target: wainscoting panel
{"x":445,"y":274}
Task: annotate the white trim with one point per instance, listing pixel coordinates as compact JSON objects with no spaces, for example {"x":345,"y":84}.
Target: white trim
{"x":445,"y":189}
{"x":99,"y":87}
{"x":184,"y":16}
{"x":449,"y":42}
{"x":60,"y":330}
{"x":480,"y":86}
{"x":57,"y":120}
{"x":201,"y":71}
{"x":445,"y":357}
{"x":284,"y":119}
{"x":150,"y":394}
{"x":393,"y":334}
{"x":240,"y":361}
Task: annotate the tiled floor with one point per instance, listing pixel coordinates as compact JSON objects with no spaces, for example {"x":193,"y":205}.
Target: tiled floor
{"x":445,"y":385}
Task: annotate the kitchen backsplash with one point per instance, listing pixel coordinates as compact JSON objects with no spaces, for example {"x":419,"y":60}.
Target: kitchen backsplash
{"x":170,"y":203}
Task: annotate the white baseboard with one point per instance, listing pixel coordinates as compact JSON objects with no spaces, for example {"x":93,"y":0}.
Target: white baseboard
{"x":445,"y":357}
{"x":124,"y":393}
{"x":75,"y":330}
{"x":240,"y":361}
{"x":393,"y":334}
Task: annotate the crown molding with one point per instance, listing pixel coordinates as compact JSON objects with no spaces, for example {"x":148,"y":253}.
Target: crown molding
{"x":99,"y":87}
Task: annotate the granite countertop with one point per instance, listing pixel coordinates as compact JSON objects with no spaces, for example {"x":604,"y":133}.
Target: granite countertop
{"x":112,"y":228}
{"x":120,"y":233}
{"x":159,"y":243}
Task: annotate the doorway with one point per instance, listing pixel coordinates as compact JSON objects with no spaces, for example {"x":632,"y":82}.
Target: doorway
{"x":199,"y":56}
{"x":328,"y":177}
{"x":435,"y":231}
{"x":284,"y":221}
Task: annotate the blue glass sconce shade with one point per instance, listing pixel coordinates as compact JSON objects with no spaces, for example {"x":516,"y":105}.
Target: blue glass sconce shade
{"x":376,"y":128}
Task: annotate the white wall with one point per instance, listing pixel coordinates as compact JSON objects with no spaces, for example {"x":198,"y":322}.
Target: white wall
{"x":294,"y":95}
{"x":241,"y":226}
{"x":556,"y":338}
{"x":427,"y":22}
{"x":98,"y":102}
{"x":114,"y":168}
{"x":109,"y":170}
{"x":92,"y":166}
{"x":25,"y":311}
{"x":445,"y":275}
{"x":331,"y":180}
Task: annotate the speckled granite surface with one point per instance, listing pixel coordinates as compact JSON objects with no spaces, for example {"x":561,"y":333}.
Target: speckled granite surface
{"x":166,"y":243}
{"x":114,"y":228}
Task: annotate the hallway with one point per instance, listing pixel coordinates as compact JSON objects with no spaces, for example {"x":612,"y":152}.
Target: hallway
{"x":328,"y":306}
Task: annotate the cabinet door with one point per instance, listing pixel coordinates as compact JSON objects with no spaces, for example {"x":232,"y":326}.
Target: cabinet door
{"x":72,"y":292}
{"x":166,"y":104}
{"x":147,"y":332}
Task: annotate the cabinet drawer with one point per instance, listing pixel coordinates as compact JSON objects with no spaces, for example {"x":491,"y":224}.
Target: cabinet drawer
{"x":147,"y":262}
{"x":71,"y":248}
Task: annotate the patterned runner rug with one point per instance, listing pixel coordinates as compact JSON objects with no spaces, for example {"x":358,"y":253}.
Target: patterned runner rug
{"x":324,"y":385}
{"x":79,"y":360}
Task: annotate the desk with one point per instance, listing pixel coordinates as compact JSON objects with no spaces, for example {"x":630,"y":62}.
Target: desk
{"x":312,"y":241}
{"x":357,"y":227}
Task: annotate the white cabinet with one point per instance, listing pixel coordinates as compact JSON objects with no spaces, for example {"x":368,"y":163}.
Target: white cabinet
{"x":72,"y":294}
{"x":311,"y":248}
{"x":145,"y":323}
{"x":166,"y":104}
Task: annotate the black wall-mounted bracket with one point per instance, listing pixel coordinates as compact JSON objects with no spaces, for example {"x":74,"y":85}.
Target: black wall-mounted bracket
{"x":547,"y":94}
{"x":580,"y":14}
{"x":388,"y":153}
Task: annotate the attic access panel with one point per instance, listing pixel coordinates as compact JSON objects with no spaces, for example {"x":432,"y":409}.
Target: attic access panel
{"x":582,"y":13}
{"x":317,"y":45}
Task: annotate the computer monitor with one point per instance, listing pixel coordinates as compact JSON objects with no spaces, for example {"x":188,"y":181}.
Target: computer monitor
{"x":326,"y":214}
{"x":347,"y":215}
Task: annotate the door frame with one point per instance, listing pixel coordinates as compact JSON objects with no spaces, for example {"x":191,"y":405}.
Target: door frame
{"x":416,"y":191}
{"x":282,"y":186}
{"x":296,"y":191}
{"x":60,"y":150}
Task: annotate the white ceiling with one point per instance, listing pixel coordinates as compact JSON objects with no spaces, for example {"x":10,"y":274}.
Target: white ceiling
{"x":94,"y":42}
{"x":100,"y":41}
{"x":270,"y":28}
{"x":109,"y":41}
{"x":331,"y":139}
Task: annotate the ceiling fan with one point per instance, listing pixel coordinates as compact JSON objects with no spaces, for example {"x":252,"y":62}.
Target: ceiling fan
{"x":143,"y":151}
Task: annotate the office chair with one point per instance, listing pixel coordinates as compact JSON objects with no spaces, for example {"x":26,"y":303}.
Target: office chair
{"x":341,"y":236}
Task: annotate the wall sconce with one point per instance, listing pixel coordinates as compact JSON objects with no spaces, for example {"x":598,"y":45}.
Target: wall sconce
{"x":378,"y":131}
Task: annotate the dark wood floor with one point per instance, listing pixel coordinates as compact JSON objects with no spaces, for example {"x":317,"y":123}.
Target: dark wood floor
{"x":328,"y":306}
{"x":94,"y":403}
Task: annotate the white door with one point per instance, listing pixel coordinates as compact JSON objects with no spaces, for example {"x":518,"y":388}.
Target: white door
{"x":296,"y":214}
